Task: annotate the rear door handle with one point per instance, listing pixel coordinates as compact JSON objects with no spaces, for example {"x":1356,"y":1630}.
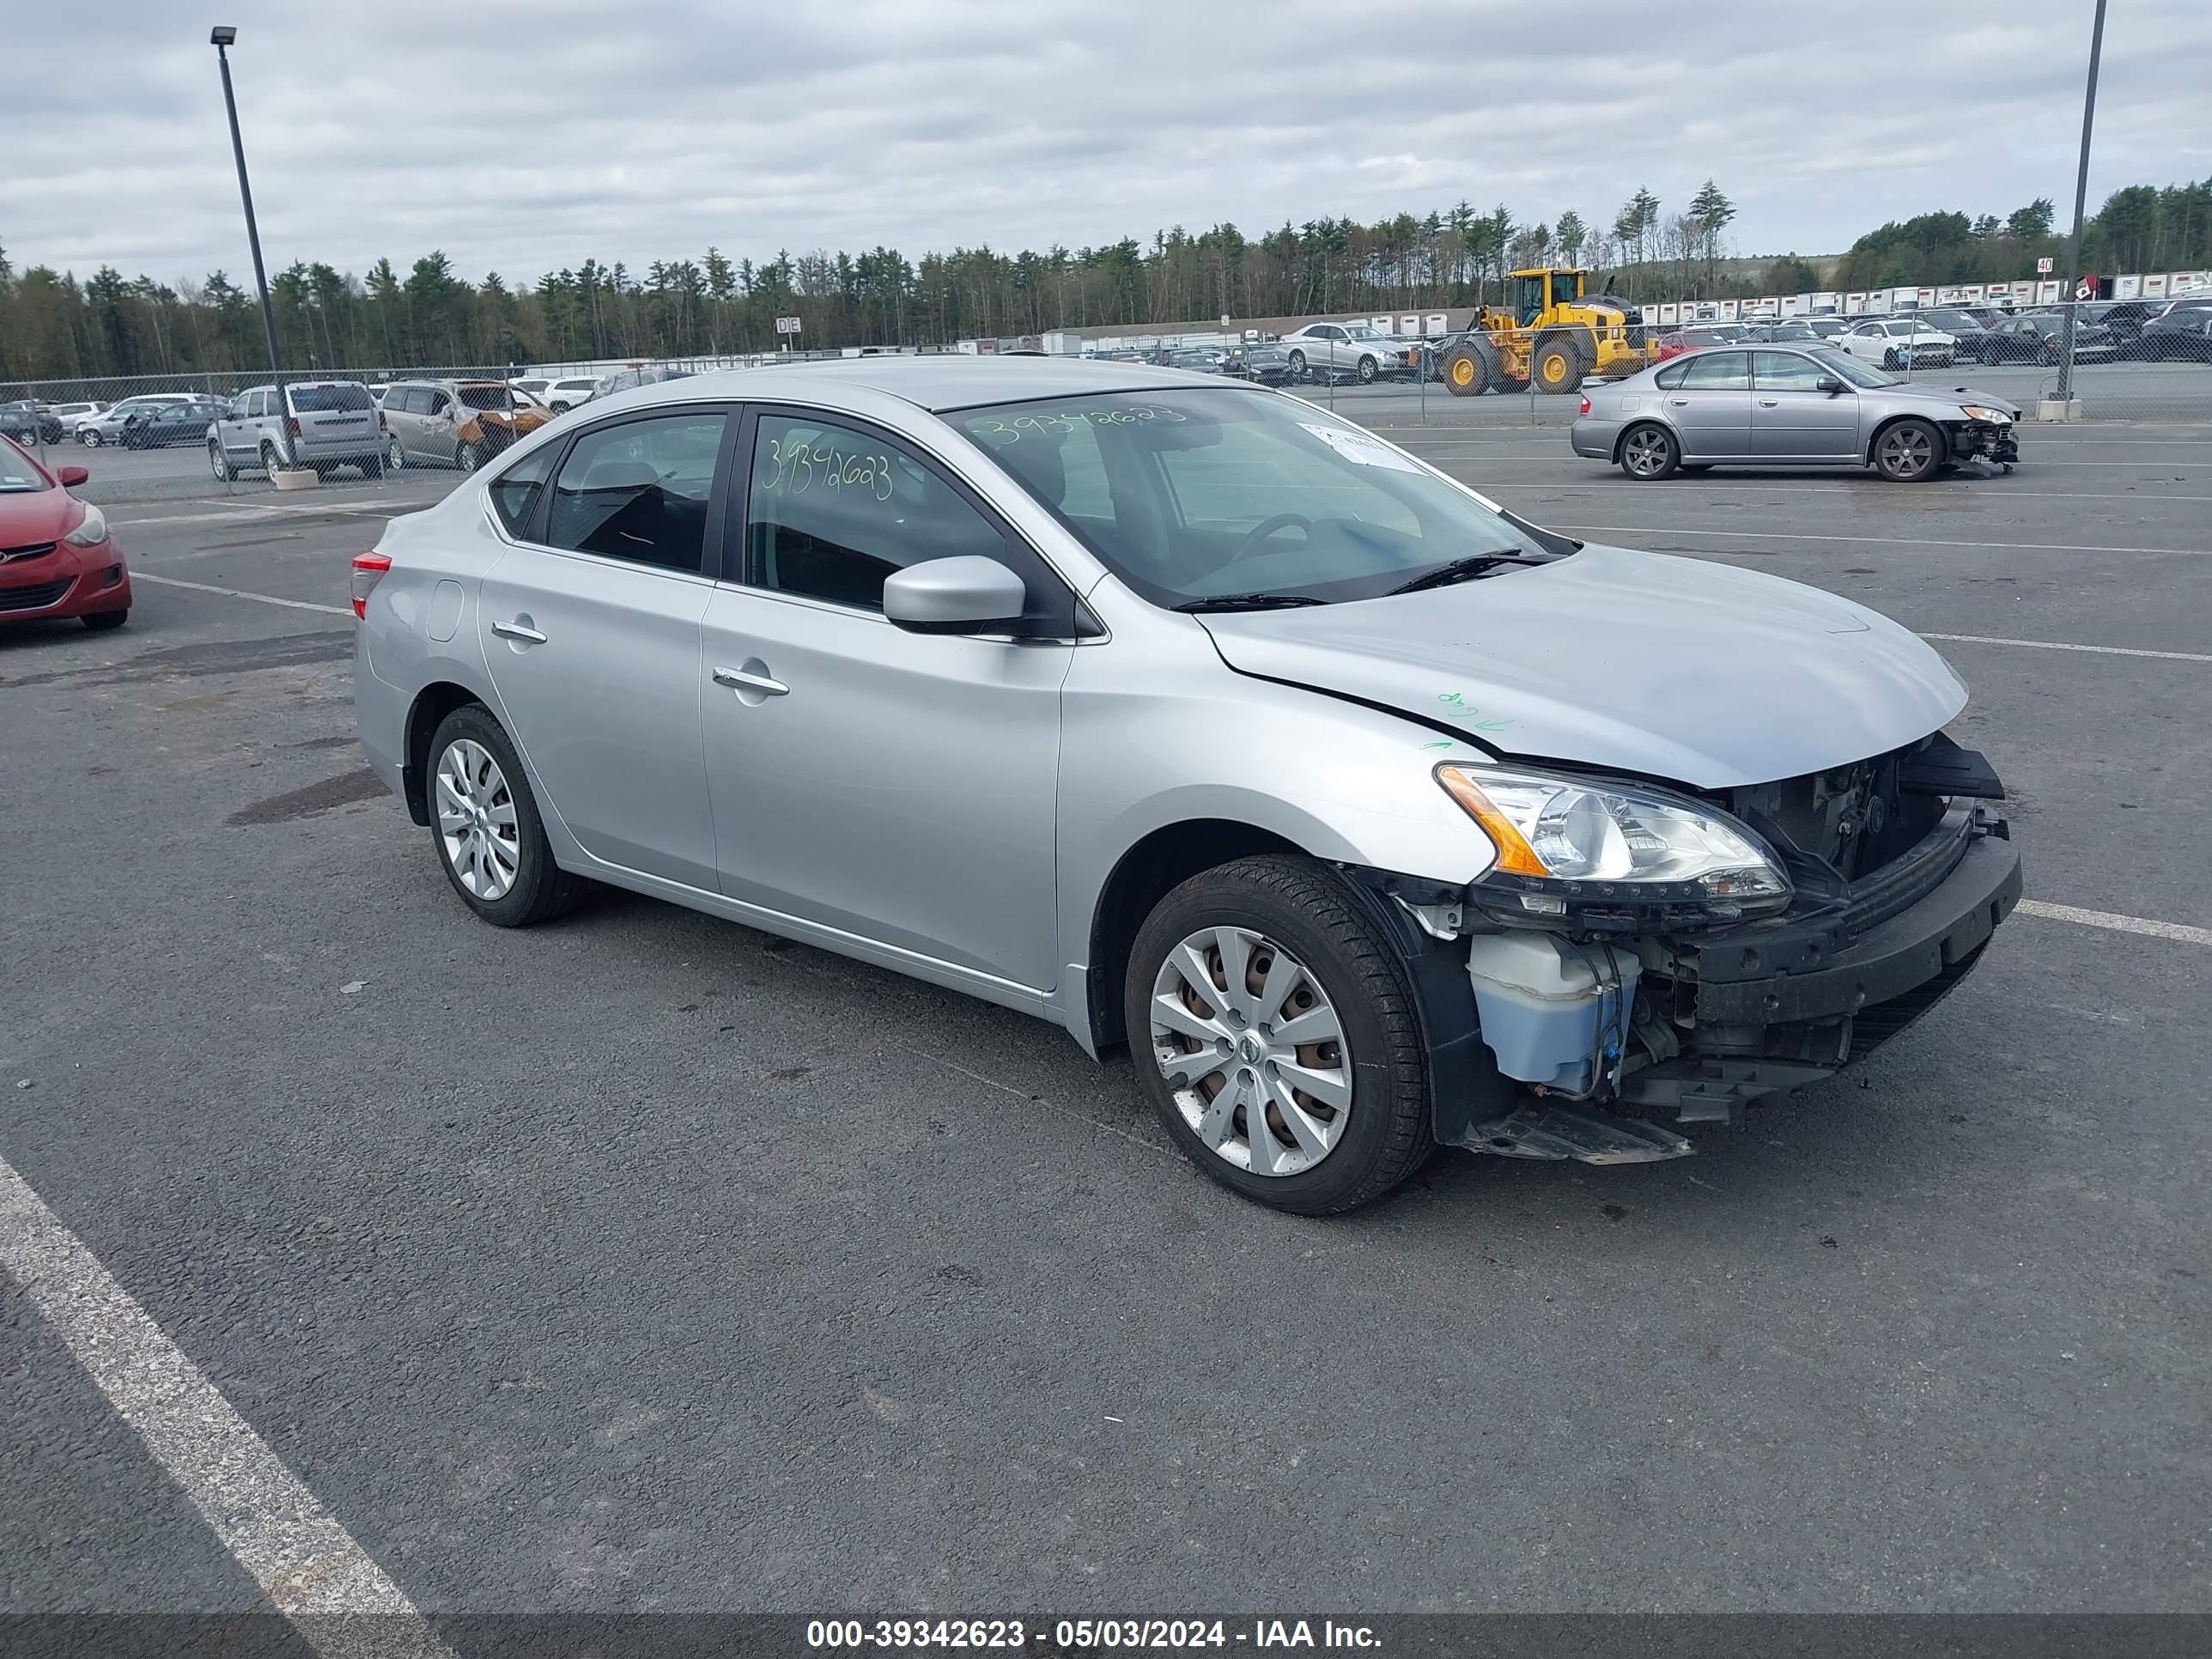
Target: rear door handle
{"x":739,"y":679}
{"x":1680,"y":403}
{"x":515,"y":630}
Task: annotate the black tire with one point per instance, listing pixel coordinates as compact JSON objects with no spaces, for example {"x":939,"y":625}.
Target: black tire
{"x":219,"y":464}
{"x":90,"y":439}
{"x":1694,"y":466}
{"x":1297,"y":364}
{"x":1465,"y":374}
{"x":100,"y":621}
{"x":271,"y":463}
{"x":1558,"y":367}
{"x":1308,"y":908}
{"x":1889,"y":359}
{"x":542,"y":889}
{"x":468,"y":458}
{"x":1369,"y":368}
{"x":1909,"y":451}
{"x":1648,"y":439}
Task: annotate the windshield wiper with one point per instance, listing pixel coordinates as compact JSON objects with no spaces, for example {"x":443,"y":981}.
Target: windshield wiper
{"x":1249,"y":602}
{"x":1462,"y":570}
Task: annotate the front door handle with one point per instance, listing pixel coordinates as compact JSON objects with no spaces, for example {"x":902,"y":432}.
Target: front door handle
{"x":746,"y":679}
{"x":516,"y":630}
{"x":1770,"y":403}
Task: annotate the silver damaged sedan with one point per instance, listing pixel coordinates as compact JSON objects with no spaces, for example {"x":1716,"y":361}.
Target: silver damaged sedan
{"x":1791,"y":406}
{"x":1366,"y":816}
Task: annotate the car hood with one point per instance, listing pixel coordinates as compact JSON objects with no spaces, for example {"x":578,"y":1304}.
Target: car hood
{"x":1949,"y":397}
{"x":31,"y":516}
{"x":1640,"y":662}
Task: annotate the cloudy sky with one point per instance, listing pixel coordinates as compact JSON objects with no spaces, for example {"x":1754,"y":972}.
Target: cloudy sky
{"x":525,"y":135}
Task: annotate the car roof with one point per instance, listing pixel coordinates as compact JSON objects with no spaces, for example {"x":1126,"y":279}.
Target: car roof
{"x":937,"y":383}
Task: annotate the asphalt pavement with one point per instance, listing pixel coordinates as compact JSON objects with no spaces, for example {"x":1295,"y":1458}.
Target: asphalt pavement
{"x":644,"y":1261}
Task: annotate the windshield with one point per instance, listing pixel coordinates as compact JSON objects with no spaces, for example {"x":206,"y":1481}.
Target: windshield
{"x":17,"y":474}
{"x":1848,"y":368}
{"x":328,"y":399}
{"x":1191,"y":494}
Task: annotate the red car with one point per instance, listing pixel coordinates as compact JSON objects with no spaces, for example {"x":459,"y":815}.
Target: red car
{"x":56,"y":558}
{"x":1691,"y":339}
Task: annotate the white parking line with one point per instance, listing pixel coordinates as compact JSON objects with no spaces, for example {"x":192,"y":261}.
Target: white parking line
{"x":240,"y":594}
{"x":1871,"y":491}
{"x":2117,"y":923}
{"x":2062,"y":645}
{"x":310,"y":1567}
{"x":246,"y":511}
{"x":1876,"y":541}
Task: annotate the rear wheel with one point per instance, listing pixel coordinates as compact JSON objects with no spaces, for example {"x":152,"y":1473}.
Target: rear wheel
{"x":490,"y":839}
{"x":1558,"y":368}
{"x":1273,"y":1031}
{"x":1649,"y":452}
{"x":1909,"y":452}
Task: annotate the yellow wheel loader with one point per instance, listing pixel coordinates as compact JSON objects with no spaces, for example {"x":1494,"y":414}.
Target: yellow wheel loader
{"x":1553,"y":334}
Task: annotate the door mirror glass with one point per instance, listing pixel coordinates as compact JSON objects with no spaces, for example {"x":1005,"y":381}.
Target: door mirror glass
{"x":965,"y":595}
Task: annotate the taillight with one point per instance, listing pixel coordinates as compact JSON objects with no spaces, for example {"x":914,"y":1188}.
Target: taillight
{"x":368,"y":569}
{"x":381,"y":426}
{"x":292,"y":425}
{"x":1585,"y":406}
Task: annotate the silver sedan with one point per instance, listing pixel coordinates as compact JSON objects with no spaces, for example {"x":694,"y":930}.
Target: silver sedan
{"x":1813,"y":406}
{"x":1185,"y":716}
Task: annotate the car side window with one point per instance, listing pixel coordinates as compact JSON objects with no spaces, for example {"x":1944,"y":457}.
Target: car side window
{"x":1671,"y":376}
{"x":514,"y":492}
{"x":438,"y":403}
{"x":638,"y":490}
{"x":1719,"y":371}
{"x":1785,"y":371}
{"x":832,"y":512}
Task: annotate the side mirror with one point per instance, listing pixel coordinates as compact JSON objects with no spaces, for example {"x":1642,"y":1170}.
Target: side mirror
{"x":969,"y":594}
{"x":71,"y":475}
{"x":1829,"y":384}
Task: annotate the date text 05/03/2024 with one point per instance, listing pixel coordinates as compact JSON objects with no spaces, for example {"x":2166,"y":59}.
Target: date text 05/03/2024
{"x":1085,"y":1635}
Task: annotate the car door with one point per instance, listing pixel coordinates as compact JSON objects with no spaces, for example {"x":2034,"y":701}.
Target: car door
{"x":1711,"y":406}
{"x":590,"y":624}
{"x":439,"y":425}
{"x":1792,"y":418}
{"x":893,"y":786}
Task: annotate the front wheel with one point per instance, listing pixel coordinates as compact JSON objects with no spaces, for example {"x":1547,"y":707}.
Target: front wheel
{"x":1297,"y":364}
{"x":394,"y":458}
{"x":89,"y":439}
{"x":1274,"y":1032}
{"x":467,"y":458}
{"x":1649,"y":452}
{"x":490,"y":840}
{"x":1368,"y":370}
{"x":219,"y":464}
{"x":1557,"y":369}
{"x":1909,"y":452}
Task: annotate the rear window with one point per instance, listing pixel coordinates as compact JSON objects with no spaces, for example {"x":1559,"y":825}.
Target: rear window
{"x":324,"y":399}
{"x":486,"y":397}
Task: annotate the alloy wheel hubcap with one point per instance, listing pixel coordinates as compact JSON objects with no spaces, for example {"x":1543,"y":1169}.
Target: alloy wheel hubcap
{"x":476,"y":820}
{"x":1253,"y":1050}
{"x":1647,"y":451}
{"x":1906,"y":451}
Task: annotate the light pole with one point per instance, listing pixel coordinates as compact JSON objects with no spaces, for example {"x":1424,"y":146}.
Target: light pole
{"x":2081,"y":200}
{"x":221,"y":38}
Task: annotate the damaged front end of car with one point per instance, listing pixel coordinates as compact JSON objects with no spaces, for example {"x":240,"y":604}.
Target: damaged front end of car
{"x":1639,"y":956}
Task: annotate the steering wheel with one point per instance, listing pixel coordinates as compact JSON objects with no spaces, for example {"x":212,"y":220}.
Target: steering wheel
{"x":1266,"y":527}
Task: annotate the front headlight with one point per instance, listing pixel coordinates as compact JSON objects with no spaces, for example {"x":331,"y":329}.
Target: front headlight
{"x":91,"y":530}
{"x":1562,"y":839}
{"x":1989,"y":416}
